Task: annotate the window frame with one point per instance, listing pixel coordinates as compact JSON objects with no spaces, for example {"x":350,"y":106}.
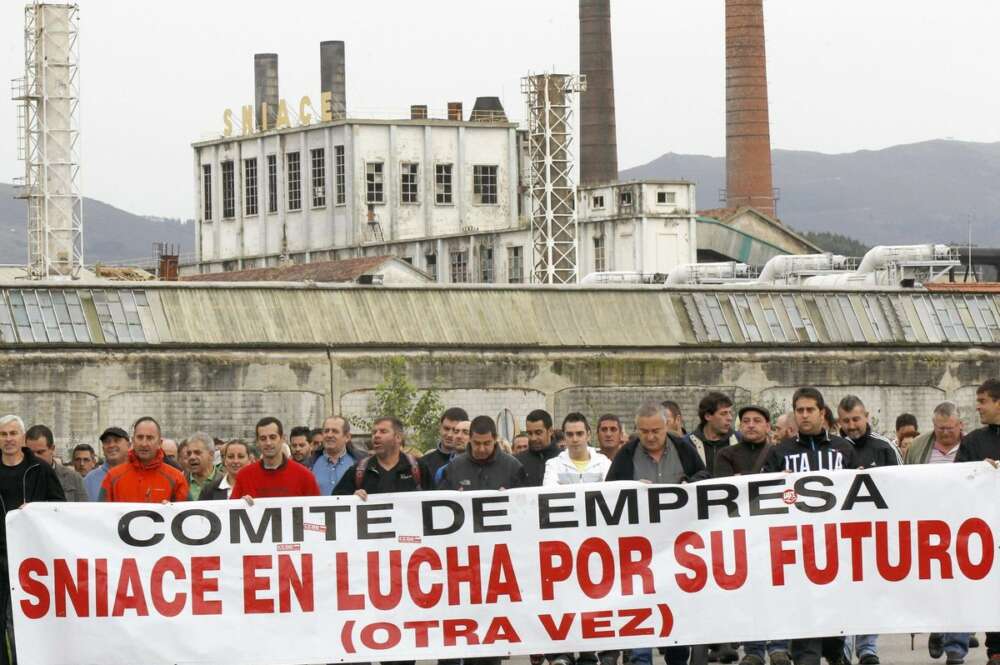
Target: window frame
{"x":293,"y":181}
{"x":375,"y":183}
{"x":272,"y":183}
{"x":206,"y":192}
{"x":481,"y":184}
{"x":515,"y":264}
{"x":317,"y":177}
{"x":340,"y":174}
{"x":228,"y":168}
{"x":250,"y":190}
{"x":444,"y":188}
{"x":409,"y":183}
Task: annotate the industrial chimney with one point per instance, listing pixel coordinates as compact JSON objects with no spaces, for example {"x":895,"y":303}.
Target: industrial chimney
{"x":599,"y":142}
{"x":333,"y":76}
{"x":748,"y":136}
{"x":265,"y":88}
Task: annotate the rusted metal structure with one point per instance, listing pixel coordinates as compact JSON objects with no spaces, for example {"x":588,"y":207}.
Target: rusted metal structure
{"x":598,"y":136}
{"x":748,"y":137}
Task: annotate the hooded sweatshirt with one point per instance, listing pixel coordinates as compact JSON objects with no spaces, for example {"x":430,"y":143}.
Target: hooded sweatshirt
{"x":562,"y":470}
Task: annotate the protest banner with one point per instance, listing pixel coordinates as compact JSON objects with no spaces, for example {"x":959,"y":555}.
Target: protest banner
{"x":462,"y":575}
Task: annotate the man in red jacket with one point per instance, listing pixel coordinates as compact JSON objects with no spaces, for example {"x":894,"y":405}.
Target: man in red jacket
{"x":145,"y":477}
{"x":275,"y":474}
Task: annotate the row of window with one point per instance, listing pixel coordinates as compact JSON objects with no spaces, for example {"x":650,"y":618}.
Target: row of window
{"x":846,"y":318}
{"x":484,"y":183}
{"x":60,"y":315}
{"x":459,"y":268}
{"x":625,"y":199}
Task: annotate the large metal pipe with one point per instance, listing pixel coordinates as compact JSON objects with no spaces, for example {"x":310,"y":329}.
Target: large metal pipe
{"x":748,"y":136}
{"x":333,"y":76}
{"x":265,"y":88}
{"x":598,"y":135}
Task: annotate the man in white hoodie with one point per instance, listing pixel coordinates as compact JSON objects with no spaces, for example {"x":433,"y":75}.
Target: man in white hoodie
{"x":578,"y":463}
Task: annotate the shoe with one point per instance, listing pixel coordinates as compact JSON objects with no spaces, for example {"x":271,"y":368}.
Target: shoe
{"x":779,"y":658}
{"x":973,"y":641}
{"x":537,"y":659}
{"x":954,"y":658}
{"x":839,"y":660}
{"x":868,"y":659}
{"x":560,"y":661}
{"x":713,"y":653}
{"x":609,"y":658}
{"x":752,"y":659}
{"x":935,"y":645}
{"x":728,"y":654}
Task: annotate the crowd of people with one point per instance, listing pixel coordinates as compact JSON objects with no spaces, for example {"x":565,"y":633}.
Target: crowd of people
{"x":143,"y":466}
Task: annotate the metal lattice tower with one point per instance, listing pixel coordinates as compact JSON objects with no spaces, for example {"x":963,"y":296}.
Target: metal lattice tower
{"x":49,"y":140}
{"x":553,"y":210}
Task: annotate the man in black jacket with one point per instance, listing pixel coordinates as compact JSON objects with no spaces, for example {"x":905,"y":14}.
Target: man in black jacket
{"x":483,"y":466}
{"x":23,"y":478}
{"x":715,"y":431}
{"x":747,"y":456}
{"x":984,"y":444}
{"x":541,"y":447}
{"x":870,"y":449}
{"x":446,"y":450}
{"x":812,"y":449}
{"x":656,"y":456}
{"x":388,"y":469}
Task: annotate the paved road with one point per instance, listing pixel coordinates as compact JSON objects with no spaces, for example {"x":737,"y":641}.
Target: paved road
{"x":893,"y":650}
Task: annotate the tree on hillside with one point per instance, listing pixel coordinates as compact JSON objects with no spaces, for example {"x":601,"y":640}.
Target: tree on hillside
{"x":835,"y":243}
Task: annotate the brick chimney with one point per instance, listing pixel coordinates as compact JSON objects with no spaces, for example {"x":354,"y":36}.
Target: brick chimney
{"x":748,"y":136}
{"x":598,"y":136}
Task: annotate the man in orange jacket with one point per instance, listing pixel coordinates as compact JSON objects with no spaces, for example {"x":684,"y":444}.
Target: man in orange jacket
{"x":145,"y":477}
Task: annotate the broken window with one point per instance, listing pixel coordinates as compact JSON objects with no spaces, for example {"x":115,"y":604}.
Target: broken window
{"x":666,"y":198}
{"x":600,"y":261}
{"x":515,"y":265}
{"x":272,"y":183}
{"x":597,"y":202}
{"x":318,"y":158}
{"x":431,"y":261}
{"x":341,"y":174}
{"x":484,"y":184}
{"x":486,"y":264}
{"x":373,"y":178}
{"x":625,"y":199}
{"x":442,"y":184}
{"x":408,"y":175}
{"x":460,"y":267}
{"x":250,"y":186}
{"x":228,"y":190}
{"x":206,"y":191}
{"x":294,"y":167}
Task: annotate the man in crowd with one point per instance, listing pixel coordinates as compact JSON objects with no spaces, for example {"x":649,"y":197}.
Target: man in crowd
{"x":906,"y":432}
{"x":447,"y":447}
{"x":387,"y":469}
{"x":747,"y":458}
{"x":519,"y":444}
{"x":483,"y":466}
{"x":316,"y":438}
{"x":201,"y":463}
{"x":984,"y":444}
{"x":23,"y":478}
{"x":145,"y":478}
{"x":940,"y":446}
{"x":714,"y":432}
{"x":39,"y":440}
{"x":609,"y":434}
{"x":656,"y":456}
{"x":870,"y":450}
{"x":578,"y":463}
{"x":84,"y":459}
{"x":182,"y":451}
{"x":785,"y":428}
{"x":114,"y":445}
{"x":300,"y":445}
{"x":812,"y":449}
{"x":541,"y":447}
{"x":274,"y":475}
{"x":676,"y":423}
{"x":337,"y":456}
{"x":169,"y":447}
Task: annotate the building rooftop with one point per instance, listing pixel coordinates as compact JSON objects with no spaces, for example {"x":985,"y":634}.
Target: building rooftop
{"x":346,"y":270}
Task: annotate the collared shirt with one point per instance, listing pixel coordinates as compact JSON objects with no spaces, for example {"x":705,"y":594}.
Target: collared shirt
{"x":668,"y":469}
{"x":938,"y":456}
{"x":329,"y":472}
{"x":197,"y":486}
{"x":224,"y":485}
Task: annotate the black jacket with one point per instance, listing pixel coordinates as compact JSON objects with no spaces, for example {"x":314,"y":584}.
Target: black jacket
{"x":212,"y":491}
{"x":534,"y":461}
{"x":500,"y":471}
{"x":375,"y":480}
{"x":741,"y":459}
{"x":712,"y":447}
{"x":806,"y":453}
{"x":980,"y":444}
{"x":38,"y":482}
{"x":623,"y":465}
{"x":430,"y":463}
{"x":873,"y":450}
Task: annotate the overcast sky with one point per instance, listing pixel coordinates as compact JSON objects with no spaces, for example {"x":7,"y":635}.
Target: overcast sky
{"x":844,"y":74}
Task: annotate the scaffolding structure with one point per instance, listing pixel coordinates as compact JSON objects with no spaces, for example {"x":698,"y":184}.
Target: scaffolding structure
{"x":48,"y":142}
{"x":549,"y":100}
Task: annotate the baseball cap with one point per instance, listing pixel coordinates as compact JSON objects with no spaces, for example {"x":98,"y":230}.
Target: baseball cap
{"x":114,"y":431}
{"x":759,"y":409}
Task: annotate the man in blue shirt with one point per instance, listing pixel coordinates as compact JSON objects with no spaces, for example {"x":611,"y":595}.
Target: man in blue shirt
{"x":115,"y":445}
{"x":339,"y":454}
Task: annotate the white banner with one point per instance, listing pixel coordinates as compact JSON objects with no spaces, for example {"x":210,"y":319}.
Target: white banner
{"x":451,"y":574}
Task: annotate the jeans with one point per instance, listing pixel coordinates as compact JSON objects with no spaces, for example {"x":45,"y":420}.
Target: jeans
{"x":956,"y":643}
{"x":758,"y":648}
{"x":864,"y":645}
{"x":672,"y":656}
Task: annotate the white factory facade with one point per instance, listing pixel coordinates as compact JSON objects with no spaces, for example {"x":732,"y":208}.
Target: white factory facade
{"x":448,"y":196}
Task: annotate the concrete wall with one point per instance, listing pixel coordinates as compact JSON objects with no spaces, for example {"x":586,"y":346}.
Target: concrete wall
{"x":79,"y":393}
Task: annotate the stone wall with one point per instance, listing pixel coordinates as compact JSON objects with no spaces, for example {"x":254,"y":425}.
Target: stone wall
{"x":79,"y":393}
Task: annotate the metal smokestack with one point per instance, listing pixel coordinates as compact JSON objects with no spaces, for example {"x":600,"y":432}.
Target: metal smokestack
{"x":748,"y":136}
{"x":333,"y":76}
{"x":265,"y":88}
{"x":599,"y":141}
